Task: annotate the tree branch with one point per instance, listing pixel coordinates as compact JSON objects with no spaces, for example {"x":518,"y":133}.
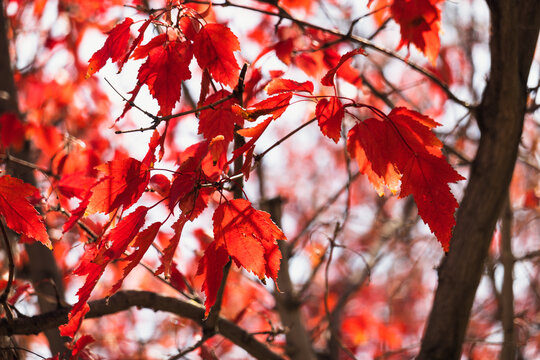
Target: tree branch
{"x":123,"y":300}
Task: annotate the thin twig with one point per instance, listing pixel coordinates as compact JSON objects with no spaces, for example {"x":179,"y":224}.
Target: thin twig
{"x":277,"y":143}
{"x":193,"y":347}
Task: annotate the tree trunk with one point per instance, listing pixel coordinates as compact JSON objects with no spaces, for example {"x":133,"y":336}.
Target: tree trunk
{"x":514,"y":32}
{"x":43,"y":271}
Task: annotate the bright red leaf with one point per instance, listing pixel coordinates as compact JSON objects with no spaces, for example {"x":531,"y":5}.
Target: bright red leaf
{"x":19,"y":213}
{"x":249,"y":236}
{"x":329,"y":115}
{"x":168,"y":252}
{"x":220,"y":120}
{"x":211,"y":269}
{"x":349,"y":74}
{"x":275,"y":105}
{"x":164,"y":70}
{"x":96,"y":259}
{"x":142,"y":242}
{"x":214,"y":47}
{"x":402,"y":146}
{"x":125,"y":181}
{"x":285,"y":85}
{"x":114,"y":48}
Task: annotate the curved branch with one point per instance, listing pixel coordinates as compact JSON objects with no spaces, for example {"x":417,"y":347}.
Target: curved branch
{"x":124,"y":300}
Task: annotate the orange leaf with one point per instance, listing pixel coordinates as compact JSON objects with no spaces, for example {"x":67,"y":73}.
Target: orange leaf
{"x":19,"y":213}
{"x":214,"y":47}
{"x":125,"y":181}
{"x":114,"y":48}
{"x":249,"y":236}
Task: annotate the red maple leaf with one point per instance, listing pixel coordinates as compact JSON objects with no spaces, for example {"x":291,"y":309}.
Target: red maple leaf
{"x":114,"y":48}
{"x":19,"y":213}
{"x":285,"y":85}
{"x":341,"y":66}
{"x":275,"y":105}
{"x":249,"y":237}
{"x":125,"y":181}
{"x":329,"y":115}
{"x":419,"y":22}
{"x":214,"y":47}
{"x":221,"y":119}
{"x":142,"y":242}
{"x":164,"y":70}
{"x":96,"y":259}
{"x":402,"y":146}
{"x":211,"y":269}
{"x":168,"y":252}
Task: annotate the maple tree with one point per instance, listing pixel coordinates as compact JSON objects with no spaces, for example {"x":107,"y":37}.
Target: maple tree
{"x":191,"y":180}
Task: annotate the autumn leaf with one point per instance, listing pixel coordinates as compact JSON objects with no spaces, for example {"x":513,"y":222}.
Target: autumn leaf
{"x":18,"y":212}
{"x":80,"y":345}
{"x":163,"y":72}
{"x":249,"y":237}
{"x":168,"y":252}
{"x":344,"y":70}
{"x":114,"y":48}
{"x":275,"y":105}
{"x":214,"y":47}
{"x":426,"y":177}
{"x":219,"y":120}
{"x":125,"y":181}
{"x":211,"y":269}
{"x":142,"y":242}
{"x":419,"y":22}
{"x":403,"y":147}
{"x":75,"y":185}
{"x":95,"y":260}
{"x":135,"y":43}
{"x":285,"y":85}
{"x":254,"y":133}
{"x":329,"y":115}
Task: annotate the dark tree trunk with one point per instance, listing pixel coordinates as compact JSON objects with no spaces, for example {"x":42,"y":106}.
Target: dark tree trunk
{"x":42,"y":269}
{"x":514,"y":32}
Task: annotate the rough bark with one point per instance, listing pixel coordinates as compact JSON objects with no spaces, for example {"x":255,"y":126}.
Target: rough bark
{"x":514,"y":32}
{"x":43,"y":271}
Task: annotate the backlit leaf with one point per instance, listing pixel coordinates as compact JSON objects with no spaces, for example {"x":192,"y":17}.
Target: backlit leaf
{"x":214,"y":47}
{"x":19,"y":213}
